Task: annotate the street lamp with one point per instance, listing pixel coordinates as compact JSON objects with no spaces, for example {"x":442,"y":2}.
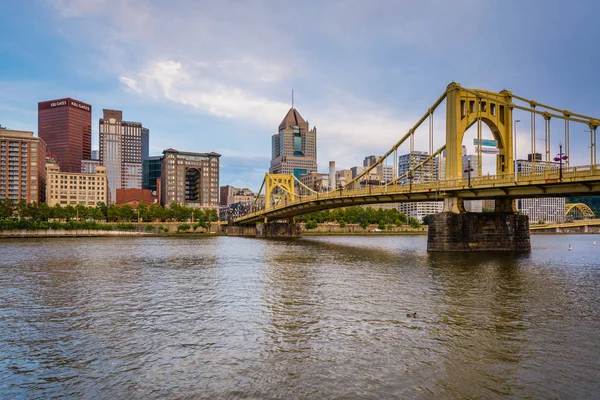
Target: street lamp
{"x":560,"y":158}
{"x":515,"y":148}
{"x":468,"y":171}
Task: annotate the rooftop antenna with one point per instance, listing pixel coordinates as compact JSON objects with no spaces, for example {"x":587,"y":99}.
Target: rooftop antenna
{"x":292,"y":98}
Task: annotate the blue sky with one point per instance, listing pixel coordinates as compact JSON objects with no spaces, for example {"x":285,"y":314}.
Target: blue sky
{"x":217,"y":75}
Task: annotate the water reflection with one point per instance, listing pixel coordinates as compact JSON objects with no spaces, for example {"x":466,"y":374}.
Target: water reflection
{"x":322,"y":317}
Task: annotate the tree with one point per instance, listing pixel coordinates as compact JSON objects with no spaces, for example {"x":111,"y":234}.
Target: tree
{"x":126,"y":213}
{"x":381,"y":225}
{"x":426,"y":219}
{"x":22,"y":208}
{"x":312,"y":224}
{"x":103,"y":209}
{"x":69,"y":212}
{"x":142,"y":210}
{"x":81,"y":212}
{"x":44,"y":212}
{"x":156,"y":212}
{"x":113,"y":213}
{"x":211,"y":216}
{"x":414,"y":223}
{"x":6,"y":208}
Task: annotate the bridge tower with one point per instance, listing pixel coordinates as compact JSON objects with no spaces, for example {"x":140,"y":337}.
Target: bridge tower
{"x":454,"y":229}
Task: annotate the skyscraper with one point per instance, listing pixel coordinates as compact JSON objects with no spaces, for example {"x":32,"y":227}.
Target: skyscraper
{"x":22,"y":166}
{"x":120,"y":152}
{"x":294,"y":147}
{"x":65,"y":125}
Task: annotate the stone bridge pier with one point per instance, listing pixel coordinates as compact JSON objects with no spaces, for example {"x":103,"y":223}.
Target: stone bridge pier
{"x":278,"y":229}
{"x":456,"y":230}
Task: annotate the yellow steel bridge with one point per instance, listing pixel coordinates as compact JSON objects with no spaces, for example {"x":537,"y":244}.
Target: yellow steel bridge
{"x":286,"y":197}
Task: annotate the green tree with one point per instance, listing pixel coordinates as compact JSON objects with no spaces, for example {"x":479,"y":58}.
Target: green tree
{"x":44,"y":212}
{"x":414,"y":223}
{"x":113,"y":213}
{"x":312,"y":224}
{"x":57,"y":212}
{"x":381,"y":225}
{"x":143,"y":211}
{"x":103,"y":209}
{"x":156,"y":212}
{"x":6,"y":208}
{"x":126,"y":213}
{"x":22,"y":208}
{"x":81,"y":212}
{"x":69,"y":212}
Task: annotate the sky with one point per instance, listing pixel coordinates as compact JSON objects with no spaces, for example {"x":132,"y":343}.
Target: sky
{"x":218,"y":75}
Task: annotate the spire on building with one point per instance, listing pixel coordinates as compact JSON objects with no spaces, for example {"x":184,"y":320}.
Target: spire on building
{"x":292,"y":118}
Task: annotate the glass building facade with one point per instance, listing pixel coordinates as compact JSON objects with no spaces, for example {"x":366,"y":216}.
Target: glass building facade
{"x":151,"y":172}
{"x":65,"y":125}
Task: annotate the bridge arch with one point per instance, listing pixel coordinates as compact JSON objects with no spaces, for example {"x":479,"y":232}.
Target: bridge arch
{"x":578,"y":209}
{"x":464,"y":108}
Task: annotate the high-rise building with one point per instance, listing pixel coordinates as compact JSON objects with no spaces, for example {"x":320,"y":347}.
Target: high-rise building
{"x":22,"y":166}
{"x":427,"y":173}
{"x":65,"y":125}
{"x":544,"y":209}
{"x":145,"y":143}
{"x":95,"y":155}
{"x":547,"y":209}
{"x":294,"y":147}
{"x":120,"y":152}
{"x":190,"y":179}
{"x":70,"y":188}
{"x":151,"y":172}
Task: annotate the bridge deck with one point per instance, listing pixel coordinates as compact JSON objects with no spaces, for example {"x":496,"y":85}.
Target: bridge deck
{"x":575,"y":181}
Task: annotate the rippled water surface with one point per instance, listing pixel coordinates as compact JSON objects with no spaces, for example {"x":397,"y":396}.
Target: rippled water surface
{"x":223,"y":317}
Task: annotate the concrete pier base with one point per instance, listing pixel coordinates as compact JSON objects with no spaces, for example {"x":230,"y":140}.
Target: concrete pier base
{"x":278,"y":230}
{"x":450,"y":231}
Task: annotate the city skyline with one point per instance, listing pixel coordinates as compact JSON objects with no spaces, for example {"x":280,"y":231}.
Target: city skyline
{"x":363,"y":73}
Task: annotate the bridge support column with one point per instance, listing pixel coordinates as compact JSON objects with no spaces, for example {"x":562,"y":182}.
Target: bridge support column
{"x":450,"y":231}
{"x":287,"y":229}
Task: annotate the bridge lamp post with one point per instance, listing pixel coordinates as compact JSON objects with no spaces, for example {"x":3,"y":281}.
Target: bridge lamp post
{"x":410,"y":178}
{"x":515,"y":148}
{"x":560,"y":158}
{"x":468,"y":171}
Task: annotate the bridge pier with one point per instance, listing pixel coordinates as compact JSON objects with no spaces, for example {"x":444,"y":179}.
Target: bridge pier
{"x":497,"y":231}
{"x":287,"y":229}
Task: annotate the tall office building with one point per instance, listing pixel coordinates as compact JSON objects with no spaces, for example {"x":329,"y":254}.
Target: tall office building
{"x":294,"y":147}
{"x":22,"y":166}
{"x":65,"y":125}
{"x":120,"y":152}
{"x":190,"y":179}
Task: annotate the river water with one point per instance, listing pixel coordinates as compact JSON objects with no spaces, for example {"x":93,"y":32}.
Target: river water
{"x":320,"y":317}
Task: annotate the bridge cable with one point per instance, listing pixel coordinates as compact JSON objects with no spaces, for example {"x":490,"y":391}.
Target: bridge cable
{"x":417,"y":166}
{"x":402,"y":140}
